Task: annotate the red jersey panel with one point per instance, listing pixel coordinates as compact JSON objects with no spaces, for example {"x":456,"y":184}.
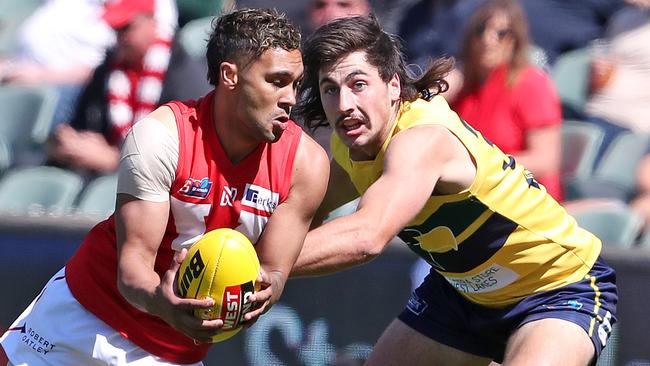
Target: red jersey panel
{"x":209,"y":192}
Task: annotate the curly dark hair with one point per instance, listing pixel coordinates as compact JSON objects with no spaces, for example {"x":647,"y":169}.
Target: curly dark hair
{"x":243,"y":35}
{"x":385,"y":51}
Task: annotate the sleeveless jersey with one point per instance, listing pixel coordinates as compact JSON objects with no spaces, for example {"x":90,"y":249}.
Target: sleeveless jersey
{"x":497,"y":242}
{"x":208,"y":192}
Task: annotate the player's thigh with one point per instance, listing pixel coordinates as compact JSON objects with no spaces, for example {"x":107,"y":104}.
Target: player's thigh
{"x":549,"y":341}
{"x":401,"y":345}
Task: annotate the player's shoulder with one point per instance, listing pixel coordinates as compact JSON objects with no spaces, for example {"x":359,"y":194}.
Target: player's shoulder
{"x":311,"y":156}
{"x":430,"y":143}
{"x":161,"y":117}
{"x":310,"y":148}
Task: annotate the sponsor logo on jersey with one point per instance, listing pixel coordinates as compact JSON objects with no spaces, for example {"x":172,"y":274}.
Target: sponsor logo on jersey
{"x":570,"y":305}
{"x":260,"y":198}
{"x":235,"y":304}
{"x":490,"y":279}
{"x":196,"y":188}
{"x":32,"y":339}
{"x":228,"y":196}
{"x":416,"y":305}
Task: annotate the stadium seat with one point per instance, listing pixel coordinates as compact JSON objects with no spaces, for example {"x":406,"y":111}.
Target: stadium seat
{"x":621,"y":159}
{"x":570,"y":74}
{"x":5,"y":155}
{"x":26,"y":115}
{"x":615,"y":175}
{"x":41,"y":189}
{"x":194,"y":36}
{"x":615,"y":225}
{"x":644,"y":240}
{"x":580,"y":143}
{"x":98,"y":198}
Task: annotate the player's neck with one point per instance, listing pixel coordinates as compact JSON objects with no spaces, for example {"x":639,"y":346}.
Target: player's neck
{"x":236,"y":146}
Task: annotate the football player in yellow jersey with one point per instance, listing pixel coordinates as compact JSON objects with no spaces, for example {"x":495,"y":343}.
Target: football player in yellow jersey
{"x":514,"y":279}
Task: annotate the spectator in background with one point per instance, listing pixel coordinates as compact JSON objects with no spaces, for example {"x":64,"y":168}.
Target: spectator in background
{"x":511,"y":102}
{"x":320,"y":12}
{"x":432,"y":28}
{"x":60,"y":44}
{"x":558,"y":26}
{"x":126,"y":87}
{"x":63,"y":42}
{"x":620,"y":74}
{"x":390,"y":13}
{"x":324,"y":11}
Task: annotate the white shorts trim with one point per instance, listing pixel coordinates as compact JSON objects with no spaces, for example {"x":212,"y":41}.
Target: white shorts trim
{"x":56,"y":330}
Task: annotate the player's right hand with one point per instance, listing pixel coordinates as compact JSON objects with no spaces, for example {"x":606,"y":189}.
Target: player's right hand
{"x":179,"y":312}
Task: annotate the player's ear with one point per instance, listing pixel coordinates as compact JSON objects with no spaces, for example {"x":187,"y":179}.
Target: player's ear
{"x":394,"y":88}
{"x":228,"y":74}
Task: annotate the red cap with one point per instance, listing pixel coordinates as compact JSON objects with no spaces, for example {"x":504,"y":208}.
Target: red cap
{"x":118,"y":13}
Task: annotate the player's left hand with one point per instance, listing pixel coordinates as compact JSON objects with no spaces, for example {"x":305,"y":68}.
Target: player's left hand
{"x":271,"y":285}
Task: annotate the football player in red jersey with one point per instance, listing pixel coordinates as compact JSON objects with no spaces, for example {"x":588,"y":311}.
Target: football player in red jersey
{"x":259,"y":173}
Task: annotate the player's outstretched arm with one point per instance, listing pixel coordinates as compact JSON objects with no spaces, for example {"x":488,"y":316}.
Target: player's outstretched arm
{"x":285,"y":232}
{"x":413,"y":164}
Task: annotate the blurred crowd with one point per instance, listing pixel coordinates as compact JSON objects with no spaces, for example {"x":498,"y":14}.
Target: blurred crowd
{"x":559,"y":85}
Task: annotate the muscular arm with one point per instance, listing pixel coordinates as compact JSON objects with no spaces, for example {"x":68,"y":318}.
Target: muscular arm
{"x":414,"y":162}
{"x":140,"y":226}
{"x":137,"y":244}
{"x":285,"y":232}
{"x":142,"y":212}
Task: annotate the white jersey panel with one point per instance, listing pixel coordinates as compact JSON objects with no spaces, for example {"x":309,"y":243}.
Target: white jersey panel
{"x":148,"y":161}
{"x":189,"y":219}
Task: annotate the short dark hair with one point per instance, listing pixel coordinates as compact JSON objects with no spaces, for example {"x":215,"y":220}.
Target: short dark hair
{"x":385,"y":51}
{"x":243,"y":35}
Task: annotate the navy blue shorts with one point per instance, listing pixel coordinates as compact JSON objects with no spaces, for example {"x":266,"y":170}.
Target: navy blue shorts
{"x":441,"y":313}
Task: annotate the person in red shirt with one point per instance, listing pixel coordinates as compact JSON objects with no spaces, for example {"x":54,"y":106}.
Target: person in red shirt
{"x":511,"y":102}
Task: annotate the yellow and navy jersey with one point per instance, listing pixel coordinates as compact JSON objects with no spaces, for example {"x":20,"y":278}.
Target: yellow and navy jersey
{"x":497,"y":242}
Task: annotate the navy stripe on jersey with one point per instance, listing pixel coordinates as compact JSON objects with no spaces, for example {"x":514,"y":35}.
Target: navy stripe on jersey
{"x":457,"y":216}
{"x":473,"y":251}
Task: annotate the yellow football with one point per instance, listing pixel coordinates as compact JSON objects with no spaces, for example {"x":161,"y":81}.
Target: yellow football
{"x":222,"y":265}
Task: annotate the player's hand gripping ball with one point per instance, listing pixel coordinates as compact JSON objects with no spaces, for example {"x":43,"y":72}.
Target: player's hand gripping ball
{"x":222,"y":265}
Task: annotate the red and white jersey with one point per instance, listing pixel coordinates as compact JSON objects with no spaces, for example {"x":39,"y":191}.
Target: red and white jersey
{"x":208,"y":192}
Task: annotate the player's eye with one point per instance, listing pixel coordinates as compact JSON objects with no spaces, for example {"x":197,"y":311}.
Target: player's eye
{"x":328,"y":90}
{"x":359,"y":85}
